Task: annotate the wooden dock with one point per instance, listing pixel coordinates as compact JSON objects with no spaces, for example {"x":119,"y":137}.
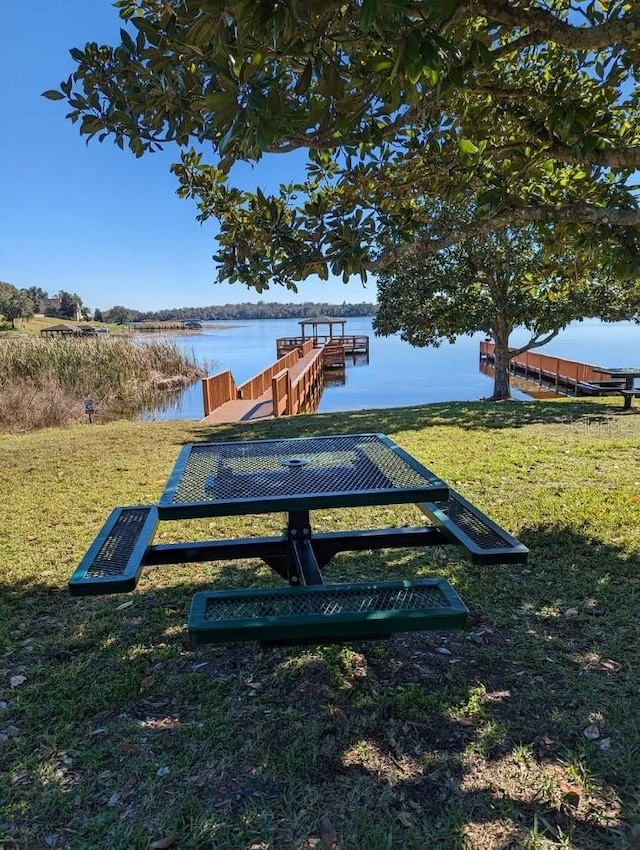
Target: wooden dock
{"x":340,"y":346}
{"x":291,"y":385}
{"x":557,"y":373}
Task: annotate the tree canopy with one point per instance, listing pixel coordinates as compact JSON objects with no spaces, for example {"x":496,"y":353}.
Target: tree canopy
{"x":70,"y":304}
{"x":15,"y":303}
{"x":532,"y":106}
{"x":495,"y":283}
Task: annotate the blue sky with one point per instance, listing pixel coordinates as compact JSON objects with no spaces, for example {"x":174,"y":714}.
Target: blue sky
{"x":93,"y":219}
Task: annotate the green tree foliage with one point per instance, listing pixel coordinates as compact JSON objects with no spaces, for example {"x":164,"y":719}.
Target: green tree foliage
{"x":531,"y":106}
{"x":15,"y":303}
{"x":36,"y":294}
{"x":495,"y":283}
{"x":261,"y":310}
{"x":119,"y":315}
{"x":70,"y":304}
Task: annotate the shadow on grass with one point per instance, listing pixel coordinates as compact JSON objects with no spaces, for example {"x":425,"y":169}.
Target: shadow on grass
{"x":123,"y":731}
{"x":468,"y":415}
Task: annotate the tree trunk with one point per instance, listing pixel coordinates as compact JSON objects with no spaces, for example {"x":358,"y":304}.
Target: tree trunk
{"x":501,"y":382}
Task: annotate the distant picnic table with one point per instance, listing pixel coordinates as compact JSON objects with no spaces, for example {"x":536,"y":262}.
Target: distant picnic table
{"x":629,"y":373}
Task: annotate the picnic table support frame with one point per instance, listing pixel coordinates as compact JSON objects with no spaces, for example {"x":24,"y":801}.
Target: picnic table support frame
{"x":275,"y":551}
{"x":303,"y":566}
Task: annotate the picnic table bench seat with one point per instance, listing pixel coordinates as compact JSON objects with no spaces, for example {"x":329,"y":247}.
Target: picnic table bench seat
{"x":600,"y":387}
{"x":115,"y":559}
{"x":481,"y":538}
{"x":325,"y":613}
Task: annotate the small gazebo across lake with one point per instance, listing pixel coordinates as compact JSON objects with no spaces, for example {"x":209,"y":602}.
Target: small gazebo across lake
{"x":321,"y":321}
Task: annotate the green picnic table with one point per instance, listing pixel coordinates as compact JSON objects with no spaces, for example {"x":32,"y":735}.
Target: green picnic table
{"x":297,"y":476}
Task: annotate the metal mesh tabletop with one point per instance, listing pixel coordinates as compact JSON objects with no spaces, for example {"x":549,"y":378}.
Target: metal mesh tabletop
{"x":260,"y":476}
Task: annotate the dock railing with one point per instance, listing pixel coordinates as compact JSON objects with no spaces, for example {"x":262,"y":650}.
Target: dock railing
{"x":352,"y":343}
{"x":292,"y":395}
{"x":281,"y":393}
{"x":555,"y":370}
{"x":217,"y":390}
{"x":289,"y":395}
{"x":260,"y":383}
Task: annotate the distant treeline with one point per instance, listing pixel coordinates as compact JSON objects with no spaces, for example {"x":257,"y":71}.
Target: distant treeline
{"x":261,"y":310}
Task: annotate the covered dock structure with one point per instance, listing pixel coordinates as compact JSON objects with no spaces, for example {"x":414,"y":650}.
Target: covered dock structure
{"x":329,"y":332}
{"x":316,"y":322}
{"x":60,"y":329}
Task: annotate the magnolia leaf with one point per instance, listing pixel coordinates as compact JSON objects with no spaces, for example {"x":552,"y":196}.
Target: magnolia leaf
{"x":369,"y":9}
{"x":304,"y":80}
{"x":467,"y":147}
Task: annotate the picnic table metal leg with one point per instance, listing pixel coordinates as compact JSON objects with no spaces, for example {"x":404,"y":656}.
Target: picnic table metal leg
{"x":304,"y":568}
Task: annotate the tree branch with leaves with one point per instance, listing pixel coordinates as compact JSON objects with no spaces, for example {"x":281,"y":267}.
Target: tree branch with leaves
{"x":533,"y":106}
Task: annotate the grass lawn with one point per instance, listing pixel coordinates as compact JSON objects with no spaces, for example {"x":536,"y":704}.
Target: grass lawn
{"x":521,"y":732}
{"x":37,"y":323}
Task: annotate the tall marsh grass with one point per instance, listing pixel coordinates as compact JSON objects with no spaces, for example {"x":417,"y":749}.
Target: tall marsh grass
{"x":43,"y":382}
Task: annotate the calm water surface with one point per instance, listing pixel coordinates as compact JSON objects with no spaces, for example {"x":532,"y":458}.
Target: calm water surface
{"x":397,"y":375}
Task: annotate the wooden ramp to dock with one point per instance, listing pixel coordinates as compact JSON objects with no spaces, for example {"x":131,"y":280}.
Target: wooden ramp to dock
{"x":290,"y":385}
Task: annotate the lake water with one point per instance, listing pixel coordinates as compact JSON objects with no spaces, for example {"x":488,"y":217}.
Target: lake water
{"x":396,"y":375}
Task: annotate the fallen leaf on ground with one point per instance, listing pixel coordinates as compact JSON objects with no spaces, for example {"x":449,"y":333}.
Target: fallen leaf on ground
{"x":610,"y":665}
{"x":406,"y":819}
{"x":591,"y":732}
{"x":145,"y":684}
{"x":16,"y":681}
{"x":572,"y":793}
{"x":571,"y":612}
{"x":328,"y":833}
{"x":164,"y":843}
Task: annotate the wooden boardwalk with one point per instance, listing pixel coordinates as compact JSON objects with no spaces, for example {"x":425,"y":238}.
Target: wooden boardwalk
{"x":290,"y":385}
